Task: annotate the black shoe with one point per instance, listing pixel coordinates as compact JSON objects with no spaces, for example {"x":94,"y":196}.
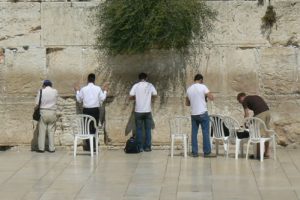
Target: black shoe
{"x":40,"y":151}
{"x":51,"y":151}
{"x":252,"y":157}
{"x":195,"y":155}
{"x":210,"y":155}
{"x":148,"y":149}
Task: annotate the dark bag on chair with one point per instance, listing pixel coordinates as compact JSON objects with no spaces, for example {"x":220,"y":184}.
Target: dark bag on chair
{"x":36,"y":113}
{"x":131,"y":146}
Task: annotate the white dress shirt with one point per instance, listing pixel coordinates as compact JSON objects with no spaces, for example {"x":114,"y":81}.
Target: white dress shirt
{"x":91,"y":96}
{"x":143,"y":92}
{"x":196,"y":94}
{"x":49,"y":98}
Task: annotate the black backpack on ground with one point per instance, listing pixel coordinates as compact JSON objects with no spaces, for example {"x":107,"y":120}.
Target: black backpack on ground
{"x":131,"y":146}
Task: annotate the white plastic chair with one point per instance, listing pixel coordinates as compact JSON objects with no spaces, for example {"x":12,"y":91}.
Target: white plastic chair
{"x":178,"y":126}
{"x":233,"y":125}
{"x":216,"y":126}
{"x":80,"y":125}
{"x":255,"y":126}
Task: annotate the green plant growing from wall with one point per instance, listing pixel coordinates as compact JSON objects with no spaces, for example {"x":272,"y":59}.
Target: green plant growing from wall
{"x":136,"y":26}
{"x":268,"y":21}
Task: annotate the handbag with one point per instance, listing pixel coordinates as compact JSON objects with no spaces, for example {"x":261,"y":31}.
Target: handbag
{"x":36,"y":113}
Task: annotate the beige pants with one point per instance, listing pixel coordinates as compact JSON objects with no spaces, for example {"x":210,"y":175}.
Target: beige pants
{"x":47,"y":125}
{"x":266,"y":117}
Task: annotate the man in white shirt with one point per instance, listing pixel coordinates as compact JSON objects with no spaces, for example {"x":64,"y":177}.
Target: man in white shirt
{"x":196,"y":98}
{"x":91,"y":97}
{"x":142,"y":92}
{"x":48,"y":116}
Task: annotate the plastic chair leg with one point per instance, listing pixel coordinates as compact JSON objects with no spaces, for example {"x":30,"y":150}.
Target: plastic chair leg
{"x":91,"y":146}
{"x":227,"y":145}
{"x":217,"y":147}
{"x":241,"y":147}
{"x":237,"y":148}
{"x":274,"y":147}
{"x":262,"y":150}
{"x":247,"y":152}
{"x":97,"y":145}
{"x":211,"y":143}
{"x":185,"y":146}
{"x":75,"y":146}
{"x":172,"y":145}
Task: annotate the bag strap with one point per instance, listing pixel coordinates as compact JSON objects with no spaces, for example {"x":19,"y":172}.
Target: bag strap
{"x":40,"y":98}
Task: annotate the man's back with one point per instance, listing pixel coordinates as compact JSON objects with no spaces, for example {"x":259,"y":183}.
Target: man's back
{"x":91,"y":95}
{"x":143,"y":92}
{"x":49,"y":98}
{"x":196,"y":94}
{"x":255,"y":103}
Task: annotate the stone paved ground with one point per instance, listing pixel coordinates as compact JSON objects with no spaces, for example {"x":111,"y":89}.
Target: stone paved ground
{"x":117,"y":176}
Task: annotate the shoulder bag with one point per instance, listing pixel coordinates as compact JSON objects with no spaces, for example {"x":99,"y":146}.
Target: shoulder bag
{"x":36,"y":113}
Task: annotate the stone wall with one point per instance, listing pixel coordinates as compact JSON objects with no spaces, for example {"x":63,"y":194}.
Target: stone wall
{"x":54,"y":40}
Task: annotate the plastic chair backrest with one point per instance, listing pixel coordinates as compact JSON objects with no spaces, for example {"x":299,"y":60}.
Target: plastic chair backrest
{"x":255,"y":125}
{"x":232,"y":125}
{"x":179,"y":124}
{"x":81,"y":124}
{"x":216,"y":126}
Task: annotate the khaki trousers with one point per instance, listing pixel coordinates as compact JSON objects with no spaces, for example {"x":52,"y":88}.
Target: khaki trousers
{"x":266,"y":117}
{"x":47,"y":125}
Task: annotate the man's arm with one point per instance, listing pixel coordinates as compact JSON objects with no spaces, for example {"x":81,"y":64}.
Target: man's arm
{"x":78,"y":93}
{"x":246,"y":112}
{"x":187,"y":101}
{"x":132,"y":93}
{"x":210,"y":96}
{"x":153,"y":93}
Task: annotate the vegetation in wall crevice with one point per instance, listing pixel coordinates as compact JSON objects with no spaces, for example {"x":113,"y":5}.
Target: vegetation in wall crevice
{"x":135,"y":26}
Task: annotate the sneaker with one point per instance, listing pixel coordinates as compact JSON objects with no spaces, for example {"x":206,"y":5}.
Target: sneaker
{"x":40,"y":151}
{"x":148,"y":149}
{"x":210,"y":155}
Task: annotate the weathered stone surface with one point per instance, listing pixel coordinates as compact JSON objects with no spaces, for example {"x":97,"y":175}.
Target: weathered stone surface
{"x":23,"y":71}
{"x":286,"y":31}
{"x":279,"y":70}
{"x":238,"y":23}
{"x":68,"y":23}
{"x":20,"y":24}
{"x":229,"y":70}
{"x":67,"y":66}
{"x":17,"y":126}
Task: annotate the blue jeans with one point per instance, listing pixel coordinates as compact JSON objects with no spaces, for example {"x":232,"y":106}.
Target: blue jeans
{"x":143,"y":122}
{"x":202,"y":120}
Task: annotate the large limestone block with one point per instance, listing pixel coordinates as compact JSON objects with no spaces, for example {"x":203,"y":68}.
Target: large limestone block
{"x":287,"y":129}
{"x":20,"y":24}
{"x":229,"y":70}
{"x":24,"y":70}
{"x":286,"y":31}
{"x":279,"y":70}
{"x":68,"y":23}
{"x":238,"y":23}
{"x":17,"y":126}
{"x":69,"y":65}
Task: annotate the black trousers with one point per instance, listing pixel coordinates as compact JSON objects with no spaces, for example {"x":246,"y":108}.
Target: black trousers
{"x":94,"y":112}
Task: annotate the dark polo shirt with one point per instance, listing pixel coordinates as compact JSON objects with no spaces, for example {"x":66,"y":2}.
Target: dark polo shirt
{"x":255,"y":103}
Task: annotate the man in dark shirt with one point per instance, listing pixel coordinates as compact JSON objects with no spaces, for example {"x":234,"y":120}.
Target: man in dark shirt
{"x":260,"y":110}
